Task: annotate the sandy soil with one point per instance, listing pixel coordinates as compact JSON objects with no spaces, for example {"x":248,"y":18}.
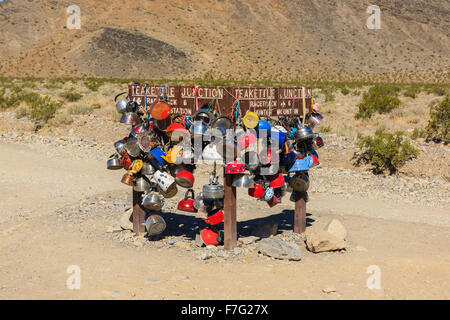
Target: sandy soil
{"x":408,"y":243}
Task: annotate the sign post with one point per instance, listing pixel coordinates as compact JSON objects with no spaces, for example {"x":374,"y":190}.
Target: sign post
{"x":265,"y":102}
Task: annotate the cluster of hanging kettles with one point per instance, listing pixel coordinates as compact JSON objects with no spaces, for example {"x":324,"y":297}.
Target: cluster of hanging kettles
{"x":268,"y":157}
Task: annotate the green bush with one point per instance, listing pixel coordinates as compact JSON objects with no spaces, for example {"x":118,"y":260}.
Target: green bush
{"x":411,"y":91}
{"x":60,"y":119}
{"x":44,"y":109}
{"x":439,"y":123}
{"x":82,"y":109}
{"x":22,"y":112}
{"x":71,"y":96}
{"x":385,"y":150}
{"x":93,"y":84}
{"x":380,"y":98}
{"x":418,"y":133}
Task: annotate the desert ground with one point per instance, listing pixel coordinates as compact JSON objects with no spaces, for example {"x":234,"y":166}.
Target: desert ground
{"x":60,"y":207}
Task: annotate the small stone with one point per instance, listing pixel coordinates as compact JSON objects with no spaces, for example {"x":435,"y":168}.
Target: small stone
{"x":279,"y":249}
{"x":205,"y":255}
{"x":152,"y":280}
{"x":361,"y":248}
{"x":115,"y":293}
{"x":249,"y":240}
{"x":318,"y":240}
{"x":329,"y":290}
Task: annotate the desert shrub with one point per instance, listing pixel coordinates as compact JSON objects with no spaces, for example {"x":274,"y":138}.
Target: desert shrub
{"x":60,"y":119}
{"x":71,"y":96}
{"x":418,"y":133}
{"x":22,"y":112}
{"x":380,"y":98}
{"x":326,"y":129}
{"x":44,"y":109}
{"x":93,"y":84}
{"x":436,"y":89}
{"x":411,"y":91}
{"x":7,"y":101}
{"x":345,"y":91}
{"x":439,"y":123}
{"x":385,"y":150}
{"x":328,"y":93}
{"x":81,"y":109}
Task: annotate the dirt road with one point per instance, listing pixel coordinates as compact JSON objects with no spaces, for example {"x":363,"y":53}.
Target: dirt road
{"x":409,"y":244}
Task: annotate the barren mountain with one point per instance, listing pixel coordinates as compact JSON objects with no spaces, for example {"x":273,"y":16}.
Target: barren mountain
{"x":238,"y":39}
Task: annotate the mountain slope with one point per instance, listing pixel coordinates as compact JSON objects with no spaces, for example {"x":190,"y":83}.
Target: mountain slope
{"x":277,"y":39}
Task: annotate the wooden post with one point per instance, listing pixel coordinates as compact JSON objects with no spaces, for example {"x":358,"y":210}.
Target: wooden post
{"x":230,"y":226}
{"x":300,"y":212}
{"x":138,"y":213}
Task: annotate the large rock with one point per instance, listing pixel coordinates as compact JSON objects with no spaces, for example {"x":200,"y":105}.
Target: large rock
{"x":279,"y":249}
{"x":318,"y":240}
{"x":266,"y":229}
{"x":337,"y":229}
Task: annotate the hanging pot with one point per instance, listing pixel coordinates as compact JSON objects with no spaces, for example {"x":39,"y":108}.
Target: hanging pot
{"x":156,"y":158}
{"x":113,"y":162}
{"x":304,"y":134}
{"x":130,"y":118}
{"x":127,"y":179}
{"x":173,"y":154}
{"x":210,"y":236}
{"x":250,"y":120}
{"x":132,"y":147}
{"x":120,"y":146}
{"x":160,"y":111}
{"x":315,"y":119}
{"x":187,"y":203}
{"x":263,"y":125}
{"x":152,"y":201}
{"x":125,"y":161}
{"x":215,"y":217}
{"x":256,"y":192}
{"x":318,"y":142}
{"x":164,"y":180}
{"x":185,"y":179}
{"x":243,"y":181}
{"x":147,"y":169}
{"x":203,"y":115}
{"x":277,"y":181}
{"x":155,"y":225}
{"x":273,"y":202}
{"x":170,"y":193}
{"x":141,"y":185}
{"x":234,"y":168}
{"x":213,"y":191}
{"x":302,"y":164}
{"x":299,"y":182}
{"x":278,"y":136}
{"x":222,"y":124}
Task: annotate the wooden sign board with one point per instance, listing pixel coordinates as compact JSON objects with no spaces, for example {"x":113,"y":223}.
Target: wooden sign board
{"x":186,"y":100}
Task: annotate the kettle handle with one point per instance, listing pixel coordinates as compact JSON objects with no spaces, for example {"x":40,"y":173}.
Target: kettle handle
{"x":191,"y":191}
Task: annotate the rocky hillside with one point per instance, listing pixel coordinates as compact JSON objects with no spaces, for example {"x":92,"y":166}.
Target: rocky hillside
{"x":238,"y":39}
